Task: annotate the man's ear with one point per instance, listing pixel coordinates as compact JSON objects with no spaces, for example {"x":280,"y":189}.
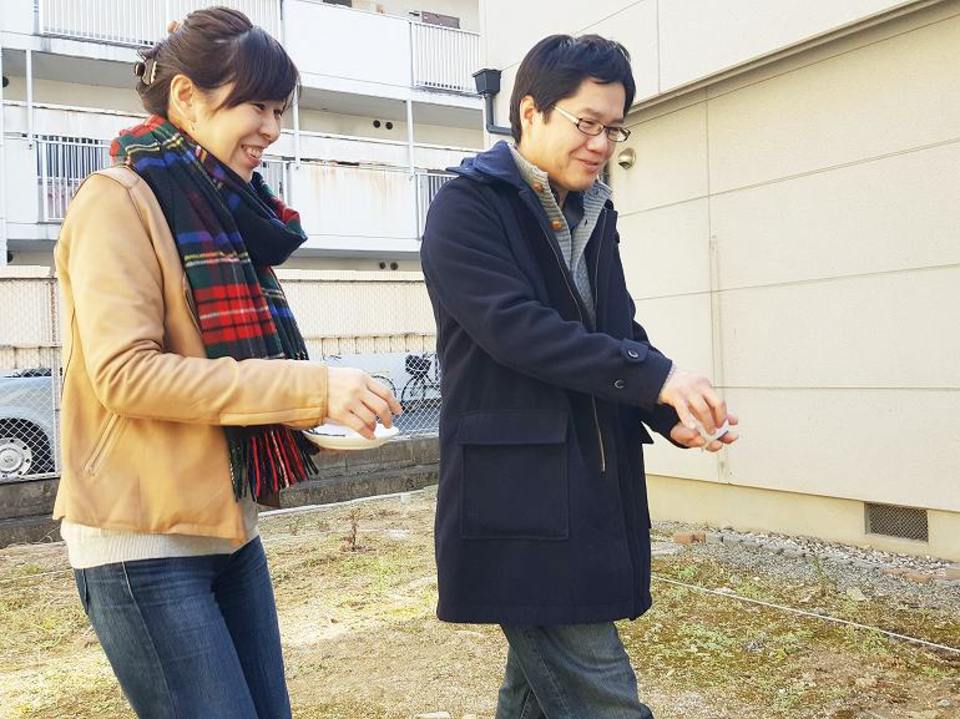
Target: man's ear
{"x":528,"y":111}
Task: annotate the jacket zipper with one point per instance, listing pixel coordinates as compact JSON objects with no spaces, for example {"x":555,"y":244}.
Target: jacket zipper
{"x":596,"y":309}
{"x":593,"y":400}
{"x":93,"y":464}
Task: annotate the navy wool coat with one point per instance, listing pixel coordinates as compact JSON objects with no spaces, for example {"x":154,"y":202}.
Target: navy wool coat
{"x":542,"y":508}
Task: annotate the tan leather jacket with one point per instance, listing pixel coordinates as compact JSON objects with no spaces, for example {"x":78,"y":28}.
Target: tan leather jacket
{"x":142,"y":408}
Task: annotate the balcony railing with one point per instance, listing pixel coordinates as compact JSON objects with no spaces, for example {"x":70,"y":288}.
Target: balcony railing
{"x":137,"y":22}
{"x":63,"y":162}
{"x":445,"y":58}
{"x":428,"y":185}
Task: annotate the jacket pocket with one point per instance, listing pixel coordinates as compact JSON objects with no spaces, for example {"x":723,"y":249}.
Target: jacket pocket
{"x":514,"y":482}
{"x":108,"y":438}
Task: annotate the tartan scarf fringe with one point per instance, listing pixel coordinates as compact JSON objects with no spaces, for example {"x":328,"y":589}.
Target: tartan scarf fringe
{"x":227,"y":233}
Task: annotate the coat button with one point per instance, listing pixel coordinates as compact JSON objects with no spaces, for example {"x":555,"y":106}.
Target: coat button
{"x":557,"y":225}
{"x":619,"y":384}
{"x":633,"y":354}
{"x":537,"y":187}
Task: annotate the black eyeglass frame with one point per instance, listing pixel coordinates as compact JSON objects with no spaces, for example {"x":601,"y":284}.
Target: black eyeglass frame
{"x":622,"y":132}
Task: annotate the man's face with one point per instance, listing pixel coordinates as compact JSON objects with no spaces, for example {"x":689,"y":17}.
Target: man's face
{"x":572,"y":159}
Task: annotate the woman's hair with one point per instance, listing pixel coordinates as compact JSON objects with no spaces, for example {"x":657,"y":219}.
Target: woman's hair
{"x":214,"y":47}
{"x":556,"y":66}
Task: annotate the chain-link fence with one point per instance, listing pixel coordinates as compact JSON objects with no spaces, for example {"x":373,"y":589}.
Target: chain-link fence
{"x":29,"y":378}
{"x":381,"y":323}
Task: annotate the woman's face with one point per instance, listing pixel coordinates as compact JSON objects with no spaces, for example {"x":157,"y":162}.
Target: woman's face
{"x":237,"y":136}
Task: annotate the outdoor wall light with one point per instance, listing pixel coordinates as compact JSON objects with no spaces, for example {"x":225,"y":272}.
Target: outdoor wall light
{"x":627,"y":158}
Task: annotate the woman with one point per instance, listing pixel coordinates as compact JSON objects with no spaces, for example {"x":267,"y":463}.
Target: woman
{"x":184,"y":385}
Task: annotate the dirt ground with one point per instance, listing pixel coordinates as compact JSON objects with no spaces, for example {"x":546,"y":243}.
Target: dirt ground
{"x":356,"y":591}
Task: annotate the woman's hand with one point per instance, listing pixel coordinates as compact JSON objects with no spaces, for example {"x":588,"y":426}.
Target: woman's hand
{"x":356,"y":400}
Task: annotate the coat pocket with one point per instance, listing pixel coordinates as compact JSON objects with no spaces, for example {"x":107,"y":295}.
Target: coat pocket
{"x":514,"y":482}
{"x":108,"y":438}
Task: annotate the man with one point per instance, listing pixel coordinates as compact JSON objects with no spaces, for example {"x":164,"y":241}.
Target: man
{"x":542,"y":523}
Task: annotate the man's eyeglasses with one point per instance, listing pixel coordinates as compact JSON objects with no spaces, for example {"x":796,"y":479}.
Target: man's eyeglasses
{"x":594,"y":128}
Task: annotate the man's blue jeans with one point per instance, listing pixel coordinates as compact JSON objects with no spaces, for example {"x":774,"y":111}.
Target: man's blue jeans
{"x":191,"y":636}
{"x":573,"y":671}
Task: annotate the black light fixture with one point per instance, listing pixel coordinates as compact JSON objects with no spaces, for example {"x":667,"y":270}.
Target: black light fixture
{"x":6,"y":80}
{"x":488,"y":85}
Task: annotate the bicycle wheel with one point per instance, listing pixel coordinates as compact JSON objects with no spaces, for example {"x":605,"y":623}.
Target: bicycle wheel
{"x":386,"y":382}
{"x":414,"y":394}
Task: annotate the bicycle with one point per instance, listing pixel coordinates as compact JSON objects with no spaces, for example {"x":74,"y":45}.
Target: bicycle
{"x":422,"y":390}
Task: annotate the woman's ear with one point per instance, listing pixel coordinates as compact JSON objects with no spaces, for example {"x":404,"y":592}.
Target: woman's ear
{"x":182,"y":102}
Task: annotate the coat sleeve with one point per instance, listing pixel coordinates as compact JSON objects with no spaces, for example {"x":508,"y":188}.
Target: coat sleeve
{"x":106,"y":255}
{"x":475,"y":278}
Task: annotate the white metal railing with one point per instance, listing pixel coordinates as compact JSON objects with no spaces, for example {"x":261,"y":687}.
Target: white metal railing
{"x":428,"y":185}
{"x":444,"y":58}
{"x":274,"y":171}
{"x":62,"y":163}
{"x":137,"y":22}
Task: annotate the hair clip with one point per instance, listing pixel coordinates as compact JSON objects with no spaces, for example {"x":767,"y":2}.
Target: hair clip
{"x":140,"y":70}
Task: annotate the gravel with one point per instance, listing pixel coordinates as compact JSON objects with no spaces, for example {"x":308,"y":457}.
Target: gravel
{"x":854,"y":570}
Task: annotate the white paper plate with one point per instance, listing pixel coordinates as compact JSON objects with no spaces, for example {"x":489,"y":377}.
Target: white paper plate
{"x":336,"y":436}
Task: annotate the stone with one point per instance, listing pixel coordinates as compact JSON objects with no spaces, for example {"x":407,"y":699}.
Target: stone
{"x":688,"y":537}
{"x":952,"y":572}
{"x":856,"y":595}
{"x":919,"y":577}
{"x":945,"y":703}
{"x":663,"y":549}
{"x":714,"y":538}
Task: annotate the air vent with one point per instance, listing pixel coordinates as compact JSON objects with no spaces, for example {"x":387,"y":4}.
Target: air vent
{"x":901,"y":522}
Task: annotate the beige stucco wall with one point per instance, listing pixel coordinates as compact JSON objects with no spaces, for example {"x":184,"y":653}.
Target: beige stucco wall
{"x":793,"y":232}
{"x":672,"y":42}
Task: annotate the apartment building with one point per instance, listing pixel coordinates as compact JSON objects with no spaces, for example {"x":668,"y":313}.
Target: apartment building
{"x":788,"y":207}
{"x":388,"y":102}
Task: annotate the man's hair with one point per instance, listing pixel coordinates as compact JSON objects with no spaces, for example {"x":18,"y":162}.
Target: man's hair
{"x":556,"y":66}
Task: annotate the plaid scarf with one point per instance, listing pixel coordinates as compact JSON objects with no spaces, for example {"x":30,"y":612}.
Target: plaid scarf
{"x":228,"y":233}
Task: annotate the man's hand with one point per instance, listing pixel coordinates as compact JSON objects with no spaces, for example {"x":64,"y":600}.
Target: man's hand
{"x":692,"y":437}
{"x":695,"y":400}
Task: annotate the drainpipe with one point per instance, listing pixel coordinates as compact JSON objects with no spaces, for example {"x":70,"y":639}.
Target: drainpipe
{"x":412,"y":169}
{"x":296,"y":97}
{"x":29,"y":54}
{"x":3,"y":171}
{"x":488,"y":85}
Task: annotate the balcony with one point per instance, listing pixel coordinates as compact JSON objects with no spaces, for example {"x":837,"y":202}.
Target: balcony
{"x":136,"y":22}
{"x":355,"y":195}
{"x":338,"y":49}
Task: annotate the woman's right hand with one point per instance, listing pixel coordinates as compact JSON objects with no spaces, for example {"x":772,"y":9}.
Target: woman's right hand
{"x":356,"y":400}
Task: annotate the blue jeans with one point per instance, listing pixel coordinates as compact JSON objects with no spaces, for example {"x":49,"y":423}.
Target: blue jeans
{"x":573,"y":671}
{"x":191,"y":636}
